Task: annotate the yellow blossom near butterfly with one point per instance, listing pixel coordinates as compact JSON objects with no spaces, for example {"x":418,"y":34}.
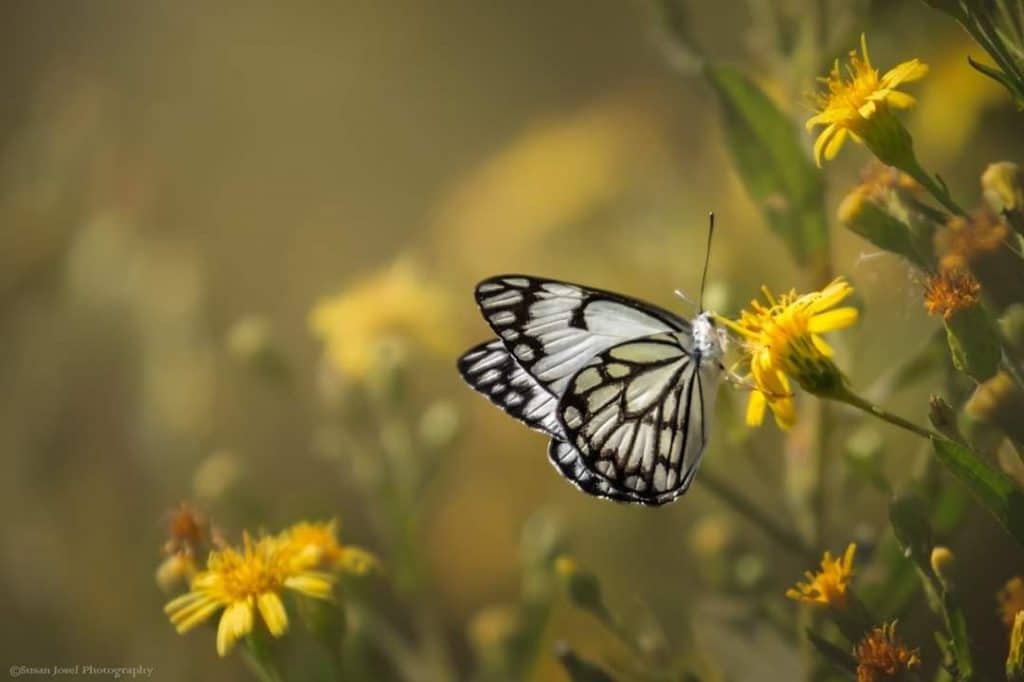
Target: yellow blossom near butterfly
{"x":783,"y":341}
{"x":397,"y":300}
{"x":860,"y":106}
{"x":830,"y":585}
{"x":242,"y":582}
{"x":316,"y":545}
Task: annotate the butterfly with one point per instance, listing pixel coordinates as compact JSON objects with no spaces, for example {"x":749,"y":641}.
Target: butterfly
{"x":622,"y":387}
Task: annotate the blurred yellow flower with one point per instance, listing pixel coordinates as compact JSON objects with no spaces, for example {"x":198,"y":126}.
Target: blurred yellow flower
{"x":859,"y":106}
{"x":395,"y":301}
{"x":550,"y":177}
{"x":881,"y":655}
{"x":949,"y":292}
{"x":782,"y":340}
{"x":963,"y":240}
{"x":242,"y":582}
{"x":179,"y":568}
{"x":316,"y":545}
{"x":944,"y":130}
{"x":1011,"y":599}
{"x":829,"y":586}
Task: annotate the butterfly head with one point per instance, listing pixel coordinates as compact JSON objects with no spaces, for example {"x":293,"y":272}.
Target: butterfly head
{"x":708,"y":339}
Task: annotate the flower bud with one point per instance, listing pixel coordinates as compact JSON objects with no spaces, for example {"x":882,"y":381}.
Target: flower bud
{"x":1003,"y":186}
{"x":943,"y":563}
{"x":999,"y":401}
{"x":251,"y":343}
{"x":582,"y":586}
{"x":439,"y":425}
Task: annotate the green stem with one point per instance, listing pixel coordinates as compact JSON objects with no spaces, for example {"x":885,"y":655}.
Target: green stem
{"x":259,"y":661}
{"x":819,"y":505}
{"x":845,"y":395}
{"x":744,"y":507}
{"x":935,"y":188}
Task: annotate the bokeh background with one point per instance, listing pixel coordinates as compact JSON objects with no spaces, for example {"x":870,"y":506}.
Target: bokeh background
{"x":170,"y":170}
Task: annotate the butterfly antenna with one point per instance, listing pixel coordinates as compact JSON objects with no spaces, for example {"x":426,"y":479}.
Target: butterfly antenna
{"x":707,"y":258}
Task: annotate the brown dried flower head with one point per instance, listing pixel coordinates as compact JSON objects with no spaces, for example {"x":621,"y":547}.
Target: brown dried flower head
{"x":881,"y":655}
{"x":949,"y":292}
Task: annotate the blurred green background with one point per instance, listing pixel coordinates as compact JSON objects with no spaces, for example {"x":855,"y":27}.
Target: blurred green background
{"x":168,"y":169}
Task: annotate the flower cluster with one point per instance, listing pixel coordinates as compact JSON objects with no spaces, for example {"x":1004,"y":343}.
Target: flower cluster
{"x":782,"y":339}
{"x":243,"y":581}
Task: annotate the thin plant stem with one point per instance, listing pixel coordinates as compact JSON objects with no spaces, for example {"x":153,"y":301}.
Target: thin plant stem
{"x":850,"y":398}
{"x":747,"y":509}
{"x":936,"y":189}
{"x":819,"y":503}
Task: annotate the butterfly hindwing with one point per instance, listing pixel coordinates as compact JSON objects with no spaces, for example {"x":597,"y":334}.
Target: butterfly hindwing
{"x":554,"y":328}
{"x":636,"y":416}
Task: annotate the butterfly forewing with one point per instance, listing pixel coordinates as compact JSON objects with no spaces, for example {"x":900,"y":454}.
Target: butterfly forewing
{"x":635,"y":414}
{"x":490,"y":369}
{"x":554,"y":328}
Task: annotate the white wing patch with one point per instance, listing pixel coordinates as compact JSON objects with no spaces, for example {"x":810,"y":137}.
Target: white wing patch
{"x":553,"y":328}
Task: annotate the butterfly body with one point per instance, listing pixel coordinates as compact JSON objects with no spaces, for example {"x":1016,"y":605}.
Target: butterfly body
{"x":619,"y":385}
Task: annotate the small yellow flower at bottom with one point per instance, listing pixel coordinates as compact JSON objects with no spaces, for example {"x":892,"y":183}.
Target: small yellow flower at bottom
{"x":783,"y":340}
{"x":829,"y":586}
{"x":241,"y":582}
{"x":881,"y":655}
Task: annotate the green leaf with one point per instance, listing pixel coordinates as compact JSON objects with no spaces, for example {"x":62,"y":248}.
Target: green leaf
{"x":993,"y":489}
{"x":839,"y":657}
{"x":910,"y":522}
{"x":974,"y":343}
{"x":766,"y":149}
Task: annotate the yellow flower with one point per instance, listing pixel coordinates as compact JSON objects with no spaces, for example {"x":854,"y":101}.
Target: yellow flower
{"x":316,"y":545}
{"x":881,"y":655}
{"x":949,"y":292}
{"x":782,"y":340}
{"x":1011,"y":600}
{"x":241,"y":583}
{"x":829,"y":586}
{"x":859,"y":106}
{"x":396,"y":301}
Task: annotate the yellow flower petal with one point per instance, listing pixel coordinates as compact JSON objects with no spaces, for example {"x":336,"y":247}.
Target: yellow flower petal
{"x":900,"y":100}
{"x":273,"y":613}
{"x":755,"y":408}
{"x":832,"y":320}
{"x":235,"y":623}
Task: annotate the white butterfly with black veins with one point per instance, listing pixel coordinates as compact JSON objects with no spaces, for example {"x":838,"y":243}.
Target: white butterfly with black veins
{"x":621,"y":386}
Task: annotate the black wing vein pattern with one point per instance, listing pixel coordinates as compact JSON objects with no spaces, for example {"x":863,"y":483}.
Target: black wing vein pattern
{"x":607,"y":377}
{"x":636,"y":416}
{"x":554,"y":328}
{"x":491,"y":370}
